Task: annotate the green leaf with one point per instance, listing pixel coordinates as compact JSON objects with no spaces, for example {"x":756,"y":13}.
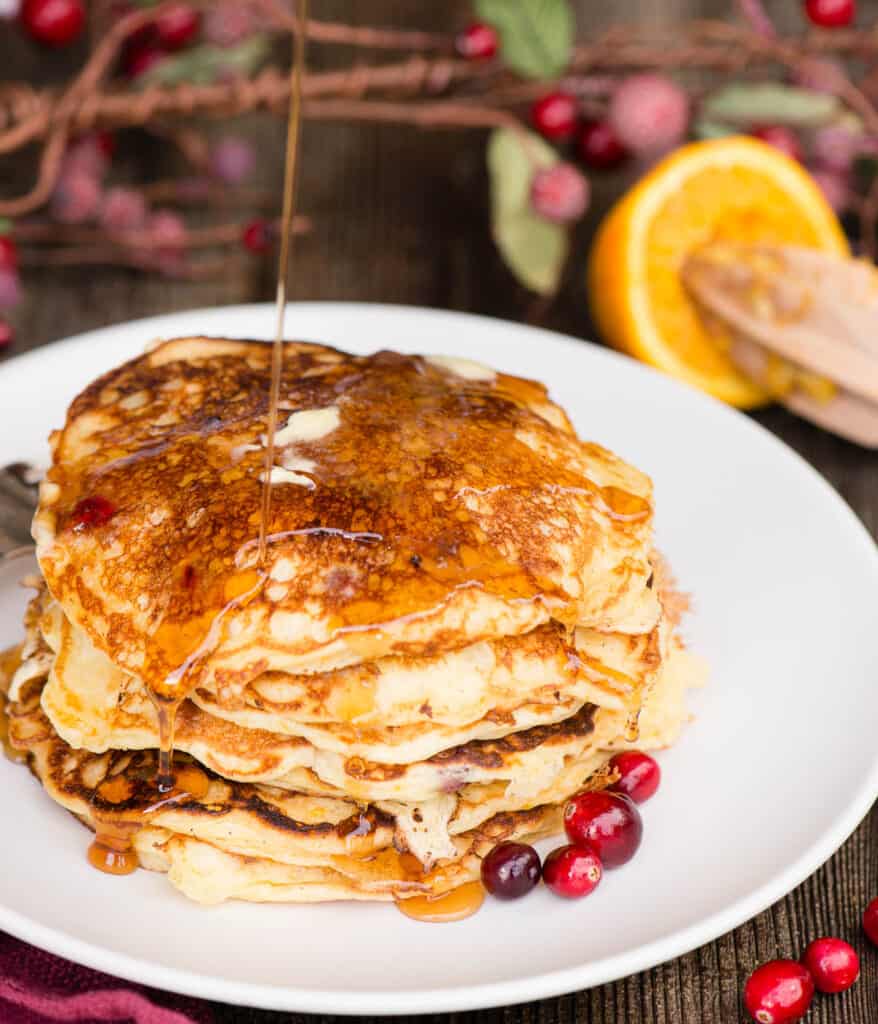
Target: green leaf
{"x":711,"y":130}
{"x":5,"y":226}
{"x":204,"y":64}
{"x":532,"y":247}
{"x":745,"y":104}
{"x":535,"y":35}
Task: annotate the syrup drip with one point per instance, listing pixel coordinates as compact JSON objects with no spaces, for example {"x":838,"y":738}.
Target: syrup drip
{"x":462,"y":902}
{"x":632,"y":727}
{"x":294,"y":121}
{"x":179,"y":647}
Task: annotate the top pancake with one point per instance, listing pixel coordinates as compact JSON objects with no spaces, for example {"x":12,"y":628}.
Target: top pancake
{"x":419,"y":505}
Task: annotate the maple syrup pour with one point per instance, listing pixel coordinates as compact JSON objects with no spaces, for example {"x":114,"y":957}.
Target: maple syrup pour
{"x":462,"y":902}
{"x":125,"y":806}
{"x":167,"y":713}
{"x":294,"y":122}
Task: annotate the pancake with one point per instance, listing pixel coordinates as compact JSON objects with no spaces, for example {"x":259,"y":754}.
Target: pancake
{"x":256,"y":823}
{"x":456,"y":617}
{"x":421,"y":505}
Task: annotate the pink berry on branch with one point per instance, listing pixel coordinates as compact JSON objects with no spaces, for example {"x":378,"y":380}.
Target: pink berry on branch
{"x":560,"y":193}
{"x":177,"y":25}
{"x":232,"y":160}
{"x":53,"y":22}
{"x":167,"y":231}
{"x":76,"y":199}
{"x":86,"y":155}
{"x":833,"y":963}
{"x":599,"y":146}
{"x":478,"y":41}
{"x":835,"y":187}
{"x":830,"y":13}
{"x":778,"y":991}
{"x":8,"y":253}
{"x":554,"y":116}
{"x":123,"y":209}
{"x":649,"y":113}
{"x":10,"y":289}
{"x":836,"y":147}
{"x":7,"y":335}
{"x":228,"y":23}
{"x":781,"y":138}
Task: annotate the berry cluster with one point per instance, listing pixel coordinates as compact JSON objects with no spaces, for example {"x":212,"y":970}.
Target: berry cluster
{"x":781,"y":991}
{"x":604,"y":829}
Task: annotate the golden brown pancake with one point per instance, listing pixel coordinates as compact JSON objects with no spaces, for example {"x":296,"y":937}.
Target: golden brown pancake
{"x":420,"y":506}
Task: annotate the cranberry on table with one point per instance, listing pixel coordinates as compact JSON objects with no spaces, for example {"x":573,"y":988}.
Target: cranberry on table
{"x":478,"y":41}
{"x":53,"y":22}
{"x":870,"y":922}
{"x":8,"y":253}
{"x":572,"y":871}
{"x":830,"y":13}
{"x":781,"y":138}
{"x":560,"y":193}
{"x":599,"y":146}
{"x":177,"y":26}
{"x":778,"y":991}
{"x":608,"y":823}
{"x":511,"y":870}
{"x":833,"y":963}
{"x":258,"y":236}
{"x":554,"y":116}
{"x":639,"y":775}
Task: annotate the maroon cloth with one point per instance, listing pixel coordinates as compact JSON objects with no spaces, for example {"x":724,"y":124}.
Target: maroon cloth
{"x":38,"y":988}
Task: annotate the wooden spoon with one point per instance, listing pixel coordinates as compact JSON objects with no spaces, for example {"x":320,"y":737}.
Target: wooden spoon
{"x":802,"y":324}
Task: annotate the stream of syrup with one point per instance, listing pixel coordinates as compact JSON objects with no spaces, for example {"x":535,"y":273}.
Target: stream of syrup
{"x":111,"y":850}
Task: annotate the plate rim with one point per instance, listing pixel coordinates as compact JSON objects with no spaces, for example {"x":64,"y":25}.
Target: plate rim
{"x":488,"y":994}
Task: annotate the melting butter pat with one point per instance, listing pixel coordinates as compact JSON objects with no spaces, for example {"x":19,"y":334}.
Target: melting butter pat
{"x":279,"y":475}
{"x":308,"y":425}
{"x":469,"y":369}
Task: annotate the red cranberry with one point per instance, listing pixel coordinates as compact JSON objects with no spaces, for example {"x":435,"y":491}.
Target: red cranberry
{"x":572,"y":871}
{"x":778,"y":991}
{"x":258,"y":236}
{"x":870,"y":922}
{"x":639,"y":775}
{"x":830,"y":13}
{"x":478,"y":41}
{"x":607,"y":822}
{"x":554,"y":116}
{"x":177,"y":26}
{"x":511,"y":870}
{"x":833,"y":963}
{"x":8,"y":253}
{"x":7,"y":335}
{"x":106,"y":143}
{"x":94,"y":511}
{"x":599,"y":146}
{"x":53,"y":22}
{"x":560,"y":193}
{"x":781,"y":138}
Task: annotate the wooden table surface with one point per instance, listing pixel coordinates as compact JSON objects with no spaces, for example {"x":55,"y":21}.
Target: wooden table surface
{"x":400,"y":216}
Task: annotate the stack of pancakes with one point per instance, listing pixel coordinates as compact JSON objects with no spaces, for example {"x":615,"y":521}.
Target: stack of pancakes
{"x":456,"y":615}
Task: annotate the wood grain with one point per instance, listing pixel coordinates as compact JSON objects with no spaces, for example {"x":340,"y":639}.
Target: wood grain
{"x":401,"y":216}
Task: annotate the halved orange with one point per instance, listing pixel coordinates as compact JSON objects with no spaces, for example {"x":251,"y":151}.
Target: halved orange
{"x":732,"y":189}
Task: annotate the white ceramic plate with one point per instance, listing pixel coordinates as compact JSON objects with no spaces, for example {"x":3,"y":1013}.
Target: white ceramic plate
{"x":775,"y":773}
